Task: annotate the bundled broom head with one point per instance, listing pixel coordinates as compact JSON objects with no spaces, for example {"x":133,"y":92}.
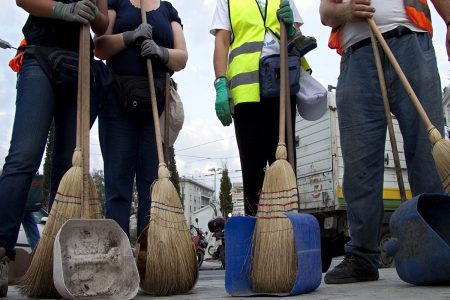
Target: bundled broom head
{"x":38,"y":280}
{"x":274,"y":265}
{"x":441,"y":155}
{"x":171,"y":266}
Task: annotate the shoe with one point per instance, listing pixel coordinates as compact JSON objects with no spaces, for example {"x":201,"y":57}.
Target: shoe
{"x":350,"y":271}
{"x":300,"y":44}
{"x":4,"y":260}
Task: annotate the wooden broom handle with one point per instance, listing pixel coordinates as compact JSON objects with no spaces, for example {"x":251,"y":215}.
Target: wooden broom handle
{"x":153,"y":96}
{"x":387,"y":110}
{"x":400,"y":74}
{"x":85,"y":113}
{"x":290,"y":140}
{"x":166,"y":118}
{"x":283,"y":83}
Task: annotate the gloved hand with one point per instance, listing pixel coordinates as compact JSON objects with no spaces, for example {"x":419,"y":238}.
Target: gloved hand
{"x":150,"y":49}
{"x":83,"y":11}
{"x":286,"y":15}
{"x":137,"y":36}
{"x":222,"y":98}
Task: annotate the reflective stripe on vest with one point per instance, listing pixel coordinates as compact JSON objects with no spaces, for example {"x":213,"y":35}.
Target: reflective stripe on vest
{"x":417,"y":11}
{"x":249,"y":30}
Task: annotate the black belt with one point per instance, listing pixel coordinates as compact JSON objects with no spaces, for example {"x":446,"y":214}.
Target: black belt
{"x":397,"y":32}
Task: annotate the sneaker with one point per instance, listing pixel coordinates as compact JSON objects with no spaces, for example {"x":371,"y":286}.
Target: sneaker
{"x":350,"y":271}
{"x":4,"y":260}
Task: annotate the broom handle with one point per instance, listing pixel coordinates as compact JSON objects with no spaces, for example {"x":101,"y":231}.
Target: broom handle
{"x":79,"y":89}
{"x":85,"y":92}
{"x":400,"y":74}
{"x":387,"y":110}
{"x":290,"y":140}
{"x":166,"y":118}
{"x":283,"y":84}
{"x":153,"y":96}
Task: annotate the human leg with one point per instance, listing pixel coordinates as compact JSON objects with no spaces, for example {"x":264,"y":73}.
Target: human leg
{"x":119,"y":145}
{"x":146,"y":173}
{"x":424,"y":79}
{"x":34,"y":112}
{"x":362,"y":126}
{"x":31,"y":229}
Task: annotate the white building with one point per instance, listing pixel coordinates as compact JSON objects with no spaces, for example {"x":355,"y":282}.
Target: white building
{"x":237,"y":195}
{"x":195,"y":196}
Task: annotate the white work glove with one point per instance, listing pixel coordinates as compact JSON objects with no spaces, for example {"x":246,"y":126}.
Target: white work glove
{"x":83,"y":11}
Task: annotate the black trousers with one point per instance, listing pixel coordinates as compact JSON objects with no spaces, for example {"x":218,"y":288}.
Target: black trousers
{"x":256,"y":126}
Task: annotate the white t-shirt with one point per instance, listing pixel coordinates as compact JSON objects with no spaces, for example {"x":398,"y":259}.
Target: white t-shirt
{"x":389,"y":14}
{"x":221,"y":20}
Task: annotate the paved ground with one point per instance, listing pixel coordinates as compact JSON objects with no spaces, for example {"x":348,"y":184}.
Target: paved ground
{"x":211,"y":286}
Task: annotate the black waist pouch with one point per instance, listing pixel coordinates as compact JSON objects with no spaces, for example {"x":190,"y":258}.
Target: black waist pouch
{"x":133,"y":93}
{"x":269,"y":75}
{"x":60,"y":66}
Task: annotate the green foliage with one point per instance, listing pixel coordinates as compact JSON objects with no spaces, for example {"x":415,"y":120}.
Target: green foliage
{"x":99,"y":181}
{"x":226,"y":204}
{"x":48,"y":164}
{"x":172,"y":166}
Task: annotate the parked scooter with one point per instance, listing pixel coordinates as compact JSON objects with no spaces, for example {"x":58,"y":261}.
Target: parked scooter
{"x":200,"y":242}
{"x":217,"y":226}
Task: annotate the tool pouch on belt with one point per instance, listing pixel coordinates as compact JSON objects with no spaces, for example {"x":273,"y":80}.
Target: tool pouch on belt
{"x":133,"y":94}
{"x":60,"y":66}
{"x":269,"y":75}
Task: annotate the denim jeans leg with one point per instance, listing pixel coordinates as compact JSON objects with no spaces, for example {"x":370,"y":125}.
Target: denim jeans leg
{"x":34,"y":113}
{"x":424,"y":78}
{"x":362,"y":126}
{"x":31,"y":229}
{"x":119,"y":145}
{"x":146,"y":172}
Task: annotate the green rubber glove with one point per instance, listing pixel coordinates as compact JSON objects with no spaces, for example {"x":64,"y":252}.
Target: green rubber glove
{"x":222,"y":101}
{"x":286,"y":15}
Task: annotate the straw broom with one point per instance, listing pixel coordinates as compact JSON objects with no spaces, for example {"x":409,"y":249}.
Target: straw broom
{"x":274,"y":265}
{"x":387,"y":110}
{"x":441,"y":147}
{"x":38,"y":280}
{"x":171,"y":262}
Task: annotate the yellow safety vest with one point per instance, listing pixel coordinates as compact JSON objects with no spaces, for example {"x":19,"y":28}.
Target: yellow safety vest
{"x":249,"y":29}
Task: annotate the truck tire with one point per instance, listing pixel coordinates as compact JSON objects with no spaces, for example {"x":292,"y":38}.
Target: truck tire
{"x":386,"y":261}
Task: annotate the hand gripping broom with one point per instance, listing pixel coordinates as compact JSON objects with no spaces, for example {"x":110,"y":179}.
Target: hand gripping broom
{"x":274,"y":265}
{"x":38,"y":280}
{"x":171,"y":262}
{"x":441,"y":147}
{"x":387,"y":110}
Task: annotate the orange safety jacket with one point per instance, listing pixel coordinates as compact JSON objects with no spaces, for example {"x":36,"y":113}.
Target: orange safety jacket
{"x":16,"y":63}
{"x":417,"y":11}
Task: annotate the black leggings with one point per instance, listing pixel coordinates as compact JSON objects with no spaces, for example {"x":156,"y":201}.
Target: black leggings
{"x":256,"y":126}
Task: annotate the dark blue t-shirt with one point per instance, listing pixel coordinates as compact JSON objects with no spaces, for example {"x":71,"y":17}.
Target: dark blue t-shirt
{"x":128,"y":17}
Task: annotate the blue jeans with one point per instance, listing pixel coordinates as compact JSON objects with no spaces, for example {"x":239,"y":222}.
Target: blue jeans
{"x":362,"y":124}
{"x":31,"y":229}
{"x":36,"y":106}
{"x":129,"y":150}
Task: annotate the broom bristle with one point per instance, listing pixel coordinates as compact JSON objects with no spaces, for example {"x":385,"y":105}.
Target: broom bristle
{"x":38,"y":280}
{"x":171,"y":266}
{"x":274,"y":265}
{"x":441,"y":155}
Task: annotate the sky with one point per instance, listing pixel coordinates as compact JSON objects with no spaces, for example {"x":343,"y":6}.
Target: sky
{"x":203,"y":144}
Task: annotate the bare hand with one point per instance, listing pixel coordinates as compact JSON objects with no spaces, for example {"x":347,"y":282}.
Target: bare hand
{"x":358,"y":10}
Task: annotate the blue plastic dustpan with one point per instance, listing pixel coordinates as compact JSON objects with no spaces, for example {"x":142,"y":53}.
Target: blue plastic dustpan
{"x":238,"y":243}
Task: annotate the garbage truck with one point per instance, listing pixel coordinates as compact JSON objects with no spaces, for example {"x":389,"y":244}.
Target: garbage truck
{"x":319,"y":179}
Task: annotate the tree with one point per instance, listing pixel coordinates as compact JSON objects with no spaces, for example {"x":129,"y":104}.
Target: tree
{"x":172,"y":166}
{"x":48,"y":164}
{"x":99,"y":181}
{"x":226,"y":204}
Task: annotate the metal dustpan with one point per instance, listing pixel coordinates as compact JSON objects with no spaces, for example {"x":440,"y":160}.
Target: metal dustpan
{"x":93,"y":259}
